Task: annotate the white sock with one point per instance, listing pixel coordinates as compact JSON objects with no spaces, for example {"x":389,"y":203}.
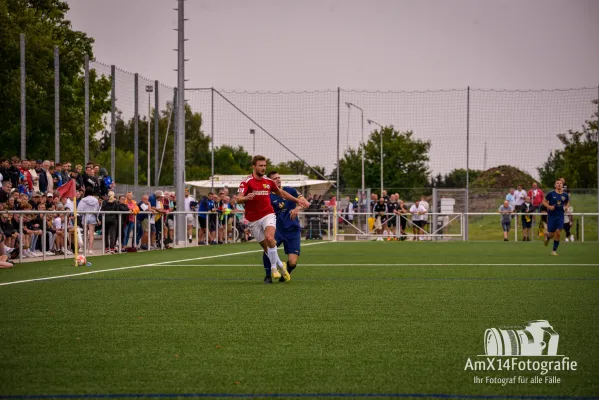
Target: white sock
{"x":273,"y":256}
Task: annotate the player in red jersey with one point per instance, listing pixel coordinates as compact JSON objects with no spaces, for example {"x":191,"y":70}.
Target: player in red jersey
{"x":254,"y":192}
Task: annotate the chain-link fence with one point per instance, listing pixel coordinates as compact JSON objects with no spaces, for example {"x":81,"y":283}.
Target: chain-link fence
{"x":405,"y":142}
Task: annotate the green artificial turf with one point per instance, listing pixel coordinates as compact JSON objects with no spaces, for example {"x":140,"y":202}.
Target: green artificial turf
{"x":210,"y":326}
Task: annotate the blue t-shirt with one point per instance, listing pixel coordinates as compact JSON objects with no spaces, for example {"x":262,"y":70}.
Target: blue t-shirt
{"x":557,"y":200}
{"x":203,"y":207}
{"x":282,"y":209}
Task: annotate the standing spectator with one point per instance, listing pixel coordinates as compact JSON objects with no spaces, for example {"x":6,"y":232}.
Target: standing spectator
{"x":527,"y":209}
{"x":111,"y":221}
{"x":90,"y":204}
{"x":124,"y":219}
{"x":392,"y":207}
{"x":190,"y":217}
{"x":90,"y":180}
{"x":78,"y":177}
{"x":41,"y":176}
{"x":418,"y":212}
{"x":568,"y":222}
{"x":511,"y":199}
{"x":536,"y":196}
{"x":379,"y":210}
{"x":14,"y":172}
{"x":402,"y":217}
{"x":374,"y":199}
{"x":33,"y":171}
{"x":157,"y":203}
{"x":131,"y":220}
{"x":28,"y":180}
{"x":57,"y":175}
{"x":49,"y":177}
{"x":4,"y":167}
{"x":519,"y":196}
{"x":385,"y":196}
{"x":202,"y":210}
{"x":66,"y":169}
{"x":143,"y":222}
{"x":506,"y":219}
{"x":348,"y":213}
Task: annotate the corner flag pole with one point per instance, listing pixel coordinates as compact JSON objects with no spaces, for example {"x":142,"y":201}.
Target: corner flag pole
{"x":76,"y":244}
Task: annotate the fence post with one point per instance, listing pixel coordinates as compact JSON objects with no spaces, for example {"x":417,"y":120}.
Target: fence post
{"x":86,"y":111}
{"x":582,"y":227}
{"x":23,"y":103}
{"x":112,"y":122}
{"x":156,"y":131}
{"x":56,"y":105}
{"x":338,"y":155}
{"x":212,"y":142}
{"x":466,"y":208}
{"x":136,"y":132}
{"x":175,"y":138}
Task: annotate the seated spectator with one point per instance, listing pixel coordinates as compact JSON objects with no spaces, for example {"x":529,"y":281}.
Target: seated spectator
{"x":5,"y":191}
{"x":506,"y":218}
{"x":8,"y":229}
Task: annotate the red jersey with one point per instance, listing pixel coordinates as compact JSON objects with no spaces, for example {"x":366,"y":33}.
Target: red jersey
{"x":258,"y":207}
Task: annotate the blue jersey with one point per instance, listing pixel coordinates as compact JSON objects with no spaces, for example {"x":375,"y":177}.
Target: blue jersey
{"x":282,"y":209}
{"x":557,"y":200}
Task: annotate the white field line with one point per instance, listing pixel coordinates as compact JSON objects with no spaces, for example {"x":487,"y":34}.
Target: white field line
{"x":396,"y":265}
{"x":143,"y":266}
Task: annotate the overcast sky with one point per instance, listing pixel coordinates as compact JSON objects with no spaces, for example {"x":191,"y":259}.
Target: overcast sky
{"x":355,"y":44}
{"x":372,"y":45}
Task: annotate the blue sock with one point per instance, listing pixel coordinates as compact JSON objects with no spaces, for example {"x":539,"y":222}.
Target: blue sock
{"x":555,"y":245}
{"x":266,"y":263}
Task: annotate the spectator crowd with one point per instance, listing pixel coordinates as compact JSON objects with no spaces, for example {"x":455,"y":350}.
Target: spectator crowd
{"x":519,"y":201}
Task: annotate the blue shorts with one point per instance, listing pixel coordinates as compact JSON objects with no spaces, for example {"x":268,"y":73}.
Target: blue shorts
{"x":290,"y":240}
{"x":554,"y":223}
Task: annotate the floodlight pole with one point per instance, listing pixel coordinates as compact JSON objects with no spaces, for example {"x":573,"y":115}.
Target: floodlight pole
{"x":381,"y":131}
{"x":149,"y":90}
{"x":253,"y":133}
{"x":349,"y":105}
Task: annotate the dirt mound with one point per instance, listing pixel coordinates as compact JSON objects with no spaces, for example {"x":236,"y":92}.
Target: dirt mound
{"x":502,"y":177}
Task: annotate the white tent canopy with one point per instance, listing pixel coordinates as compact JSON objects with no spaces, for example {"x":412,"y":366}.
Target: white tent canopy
{"x":301,"y":182}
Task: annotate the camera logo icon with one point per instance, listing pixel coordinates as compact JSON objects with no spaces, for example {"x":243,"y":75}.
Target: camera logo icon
{"x":537,"y":338}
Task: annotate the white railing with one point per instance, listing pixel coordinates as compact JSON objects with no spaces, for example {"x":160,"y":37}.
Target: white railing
{"x":324,"y":225}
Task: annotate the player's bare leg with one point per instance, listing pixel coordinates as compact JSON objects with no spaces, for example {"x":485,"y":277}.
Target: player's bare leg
{"x":269,"y":244}
{"x":556,"y":238}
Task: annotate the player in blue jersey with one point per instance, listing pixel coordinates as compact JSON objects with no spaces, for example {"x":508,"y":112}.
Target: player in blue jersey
{"x":288,"y":227}
{"x":555,"y":202}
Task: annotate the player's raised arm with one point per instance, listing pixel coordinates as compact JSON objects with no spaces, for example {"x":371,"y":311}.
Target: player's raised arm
{"x":300,"y":200}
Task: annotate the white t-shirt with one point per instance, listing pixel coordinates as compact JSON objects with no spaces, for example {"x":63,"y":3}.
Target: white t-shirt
{"x":188,"y":201}
{"x":519,"y":197}
{"x":414,"y":210}
{"x":57,"y":223}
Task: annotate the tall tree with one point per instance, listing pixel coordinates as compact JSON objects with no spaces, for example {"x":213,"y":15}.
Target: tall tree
{"x":44,"y":25}
{"x":405,"y":162}
{"x":577,"y":161}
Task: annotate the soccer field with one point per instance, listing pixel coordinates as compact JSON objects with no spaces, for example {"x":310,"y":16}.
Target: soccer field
{"x":368,"y":319}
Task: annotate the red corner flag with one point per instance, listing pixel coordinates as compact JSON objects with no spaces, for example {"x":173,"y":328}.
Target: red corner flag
{"x":68,"y":190}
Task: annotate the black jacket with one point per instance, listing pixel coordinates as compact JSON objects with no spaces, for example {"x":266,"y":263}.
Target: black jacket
{"x":43,"y":179}
{"x":108,"y":207}
{"x":93,"y":182}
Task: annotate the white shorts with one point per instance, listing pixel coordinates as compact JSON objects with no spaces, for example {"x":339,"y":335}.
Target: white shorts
{"x":258,"y":227}
{"x":190,"y":219}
